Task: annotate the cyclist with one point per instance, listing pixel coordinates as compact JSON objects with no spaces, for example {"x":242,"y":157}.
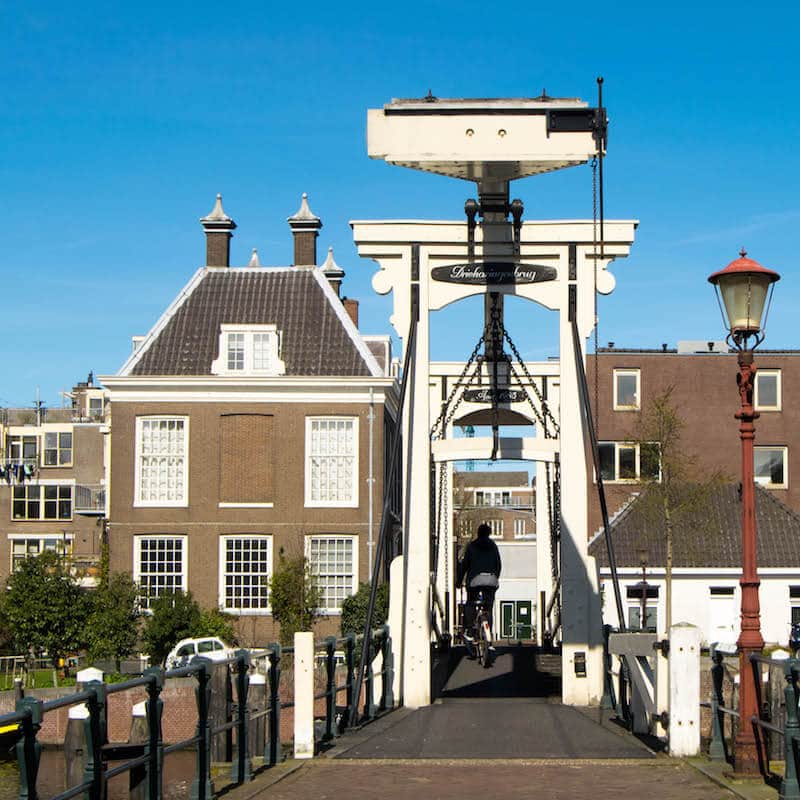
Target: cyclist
{"x":481,"y":568}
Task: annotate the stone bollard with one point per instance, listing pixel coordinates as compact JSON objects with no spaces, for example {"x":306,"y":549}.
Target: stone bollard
{"x":304,"y":695}
{"x":684,"y":690}
{"x":137,"y":782}
{"x":75,"y":754}
{"x":257,"y":700}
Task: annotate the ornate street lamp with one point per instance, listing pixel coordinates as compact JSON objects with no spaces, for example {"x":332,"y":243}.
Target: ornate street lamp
{"x":745,"y":286}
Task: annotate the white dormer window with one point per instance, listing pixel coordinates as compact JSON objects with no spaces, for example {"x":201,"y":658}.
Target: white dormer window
{"x":249,"y":350}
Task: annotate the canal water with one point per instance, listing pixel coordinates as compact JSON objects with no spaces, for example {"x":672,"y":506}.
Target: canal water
{"x":178,"y":774}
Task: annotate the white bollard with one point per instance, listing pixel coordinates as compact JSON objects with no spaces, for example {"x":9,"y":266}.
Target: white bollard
{"x":684,"y":690}
{"x":396,"y":602}
{"x":304,"y":695}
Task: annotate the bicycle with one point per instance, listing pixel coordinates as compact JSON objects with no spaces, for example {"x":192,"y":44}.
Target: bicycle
{"x":483,"y":632}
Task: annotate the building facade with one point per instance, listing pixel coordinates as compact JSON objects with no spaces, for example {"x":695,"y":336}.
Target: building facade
{"x":702,"y":379}
{"x":52,"y":481}
{"x":249,"y":425}
{"x":505,"y":501}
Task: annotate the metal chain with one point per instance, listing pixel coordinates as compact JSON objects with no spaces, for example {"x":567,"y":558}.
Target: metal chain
{"x":545,"y":408}
{"x":444,"y":417}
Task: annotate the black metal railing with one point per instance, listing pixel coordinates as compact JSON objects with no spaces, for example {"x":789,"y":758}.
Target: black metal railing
{"x":148,"y":756}
{"x":763,"y":726}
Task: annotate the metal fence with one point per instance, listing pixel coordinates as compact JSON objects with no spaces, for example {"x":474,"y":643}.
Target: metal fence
{"x":143,"y":761}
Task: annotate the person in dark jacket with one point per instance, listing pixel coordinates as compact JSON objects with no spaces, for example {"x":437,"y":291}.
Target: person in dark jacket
{"x":481,"y":567}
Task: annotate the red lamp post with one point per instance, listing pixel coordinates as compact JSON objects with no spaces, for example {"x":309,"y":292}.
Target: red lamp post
{"x":745,"y":287}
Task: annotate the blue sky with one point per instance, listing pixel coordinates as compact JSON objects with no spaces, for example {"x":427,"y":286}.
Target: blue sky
{"x":122,"y":121}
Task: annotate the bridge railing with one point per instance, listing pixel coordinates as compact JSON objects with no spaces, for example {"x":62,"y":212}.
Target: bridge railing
{"x":143,"y":761}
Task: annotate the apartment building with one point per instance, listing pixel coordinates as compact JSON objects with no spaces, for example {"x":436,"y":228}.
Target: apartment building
{"x":52,"y":481}
{"x":250,"y":422}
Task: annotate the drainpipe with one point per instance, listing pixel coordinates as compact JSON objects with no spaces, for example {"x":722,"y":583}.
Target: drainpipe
{"x":371,"y":478}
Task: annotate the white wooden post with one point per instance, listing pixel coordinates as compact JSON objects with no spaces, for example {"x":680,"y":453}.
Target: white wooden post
{"x":304,"y":694}
{"x":684,"y":690}
{"x":396,"y":602}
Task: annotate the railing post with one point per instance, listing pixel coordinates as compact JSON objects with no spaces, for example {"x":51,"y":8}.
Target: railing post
{"x":202,"y":785}
{"x":716,"y":749}
{"x":387,"y":671}
{"x":369,"y":681}
{"x":349,"y":657}
{"x":790,"y":790}
{"x":240,"y":769}
{"x":95,"y":728}
{"x":29,"y":750}
{"x":274,"y":744}
{"x":154,"y":707}
{"x":330,"y":690}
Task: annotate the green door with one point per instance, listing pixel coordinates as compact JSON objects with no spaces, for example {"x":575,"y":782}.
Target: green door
{"x":506,"y":619}
{"x":524,"y":619}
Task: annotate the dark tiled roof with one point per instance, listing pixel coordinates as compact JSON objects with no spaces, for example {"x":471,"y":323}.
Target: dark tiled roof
{"x":314,"y":340}
{"x":710,"y":538}
{"x":491,"y":478}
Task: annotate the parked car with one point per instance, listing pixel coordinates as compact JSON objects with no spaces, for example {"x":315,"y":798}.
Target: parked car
{"x":207,"y":646}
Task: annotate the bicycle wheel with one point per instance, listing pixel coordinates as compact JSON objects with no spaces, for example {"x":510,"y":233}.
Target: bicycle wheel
{"x":485,"y":640}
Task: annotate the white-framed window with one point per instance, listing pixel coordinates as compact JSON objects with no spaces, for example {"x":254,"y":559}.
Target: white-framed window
{"x":331,"y":461}
{"x":57,"y":451}
{"x":497,"y":527}
{"x":333,"y":562}
{"x":96,"y":407}
{"x":523,"y":528}
{"x":767,"y":395}
{"x":25,"y":546}
{"x":39,"y":501}
{"x":159,"y":565}
{"x":162,"y":461}
{"x":245,"y":566}
{"x":627,"y":389}
{"x":249,"y":350}
{"x":794,"y":605}
{"x":634,"y":597}
{"x":629,"y":461}
{"x":20,"y":448}
{"x":771,"y":467}
{"x":493,"y":497}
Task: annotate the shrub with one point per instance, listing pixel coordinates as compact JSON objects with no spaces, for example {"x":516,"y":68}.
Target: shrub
{"x":354,"y":608}
{"x":294,"y":597}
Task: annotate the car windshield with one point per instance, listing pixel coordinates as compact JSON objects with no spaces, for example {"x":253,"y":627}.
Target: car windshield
{"x":186,"y":650}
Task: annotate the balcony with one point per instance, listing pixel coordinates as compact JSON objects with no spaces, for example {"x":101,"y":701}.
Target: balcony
{"x":90,"y":500}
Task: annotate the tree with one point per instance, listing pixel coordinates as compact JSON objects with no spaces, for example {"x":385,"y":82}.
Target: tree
{"x":354,"y":608}
{"x":113,"y":625}
{"x":294,"y":596}
{"x":675,"y":485}
{"x":45,"y":608}
{"x":214,"y":622}
{"x":175,"y":616}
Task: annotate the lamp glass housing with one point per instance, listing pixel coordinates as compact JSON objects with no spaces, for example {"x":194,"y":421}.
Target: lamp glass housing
{"x":744,"y":295}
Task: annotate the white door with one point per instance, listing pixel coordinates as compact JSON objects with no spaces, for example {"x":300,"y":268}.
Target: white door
{"x":723,"y":615}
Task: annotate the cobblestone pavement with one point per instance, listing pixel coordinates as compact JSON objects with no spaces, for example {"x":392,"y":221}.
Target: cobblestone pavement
{"x":657,"y":779}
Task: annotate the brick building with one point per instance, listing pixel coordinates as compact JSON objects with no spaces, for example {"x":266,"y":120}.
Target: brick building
{"x":702,"y":376}
{"x":251,"y":421}
{"x":52,"y":481}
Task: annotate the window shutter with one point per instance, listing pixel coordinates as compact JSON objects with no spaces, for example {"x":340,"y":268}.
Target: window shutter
{"x":245,"y":463}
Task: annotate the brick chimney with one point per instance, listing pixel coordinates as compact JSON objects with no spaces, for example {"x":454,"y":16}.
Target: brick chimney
{"x":351,"y":307}
{"x":305,"y":228}
{"x":333,"y":272}
{"x":219,"y":228}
